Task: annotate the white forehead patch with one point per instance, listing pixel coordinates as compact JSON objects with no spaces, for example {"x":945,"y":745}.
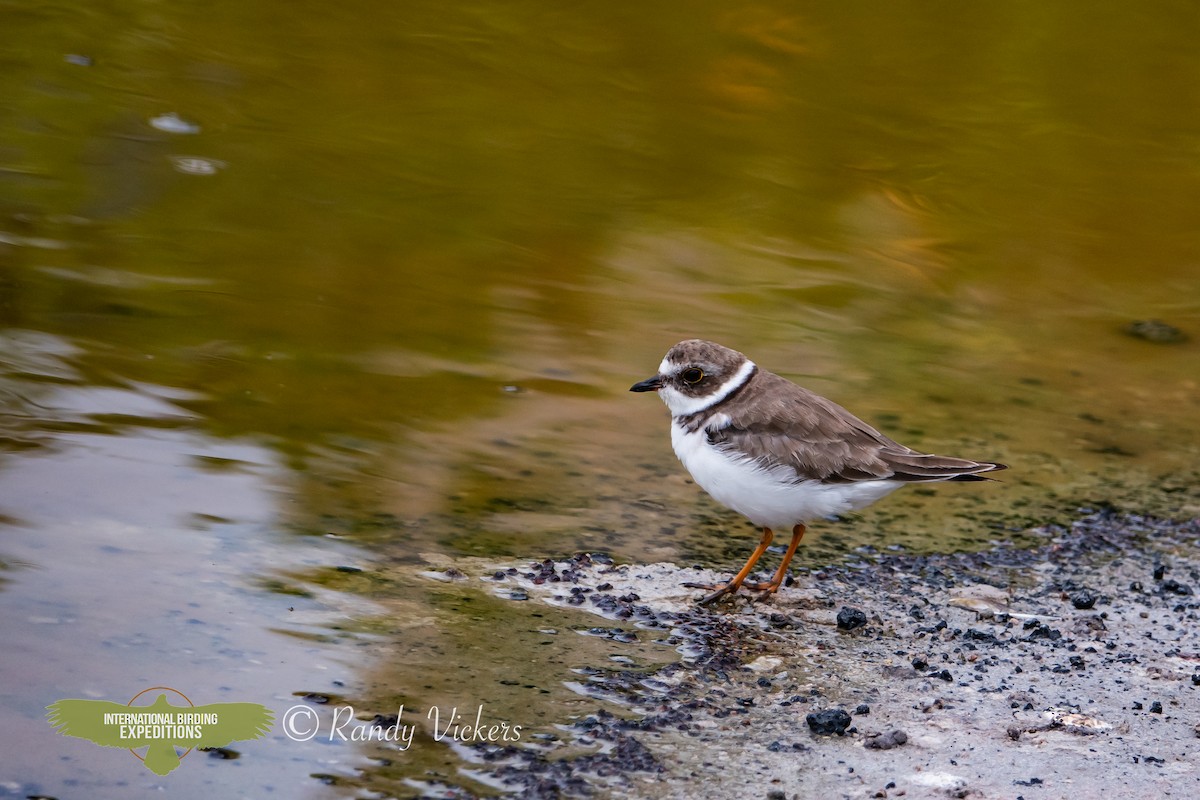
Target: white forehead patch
{"x":682,"y":405}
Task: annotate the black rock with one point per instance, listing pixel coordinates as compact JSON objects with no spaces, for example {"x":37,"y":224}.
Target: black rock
{"x":1083,"y":599}
{"x":1044,"y":632}
{"x":221,"y":753}
{"x":981,"y":636}
{"x":317,"y":697}
{"x":885,"y":741}
{"x":850,"y":618}
{"x":1175,"y":587}
{"x":1155,"y":330}
{"x":828,"y":722}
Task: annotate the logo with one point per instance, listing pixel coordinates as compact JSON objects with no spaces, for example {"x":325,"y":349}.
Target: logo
{"x":162,"y":728}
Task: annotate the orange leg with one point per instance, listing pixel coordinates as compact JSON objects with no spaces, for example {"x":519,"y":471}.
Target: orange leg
{"x":781,"y":573}
{"x":736,"y":583}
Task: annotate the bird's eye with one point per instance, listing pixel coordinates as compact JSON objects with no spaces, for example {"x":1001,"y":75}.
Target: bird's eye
{"x":692,"y":375}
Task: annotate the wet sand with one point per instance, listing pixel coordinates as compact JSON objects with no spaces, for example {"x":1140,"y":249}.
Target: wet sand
{"x":1065,"y":670}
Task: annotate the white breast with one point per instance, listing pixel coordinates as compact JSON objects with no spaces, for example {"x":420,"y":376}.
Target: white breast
{"x":768,"y":498}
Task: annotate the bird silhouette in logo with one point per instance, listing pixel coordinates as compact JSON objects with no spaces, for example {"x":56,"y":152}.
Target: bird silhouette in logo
{"x":85,"y":719}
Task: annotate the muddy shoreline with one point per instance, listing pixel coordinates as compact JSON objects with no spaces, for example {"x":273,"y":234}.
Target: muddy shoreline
{"x":1062,"y":670}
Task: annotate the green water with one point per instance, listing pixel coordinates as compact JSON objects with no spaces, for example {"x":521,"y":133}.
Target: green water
{"x":383,"y":305}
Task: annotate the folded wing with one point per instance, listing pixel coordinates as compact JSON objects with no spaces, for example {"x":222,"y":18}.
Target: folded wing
{"x":819,"y":440}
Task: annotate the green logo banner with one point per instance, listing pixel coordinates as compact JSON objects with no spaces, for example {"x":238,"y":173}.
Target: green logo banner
{"x":160,"y":727}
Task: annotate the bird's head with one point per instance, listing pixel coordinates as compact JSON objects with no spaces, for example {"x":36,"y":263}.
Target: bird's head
{"x":695,"y":374}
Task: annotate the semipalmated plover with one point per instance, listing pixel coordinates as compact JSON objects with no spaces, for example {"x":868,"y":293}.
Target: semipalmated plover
{"x":776,"y":452}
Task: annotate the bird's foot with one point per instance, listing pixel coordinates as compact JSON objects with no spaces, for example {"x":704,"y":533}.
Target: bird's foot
{"x":722,"y":591}
{"x":765,"y":590}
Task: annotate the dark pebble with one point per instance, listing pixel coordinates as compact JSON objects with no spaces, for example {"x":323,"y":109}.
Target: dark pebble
{"x":1175,"y":587}
{"x":221,"y":753}
{"x":777,"y":620}
{"x":1156,"y":707}
{"x":862,"y":710}
{"x":828,"y":722}
{"x":1083,"y":600}
{"x":1044,"y":632}
{"x":317,"y":698}
{"x":850,"y":618}
{"x":1155,"y":330}
{"x":1159,"y":572}
{"x":981,"y":636}
{"x":518,"y":594}
{"x":885,"y":741}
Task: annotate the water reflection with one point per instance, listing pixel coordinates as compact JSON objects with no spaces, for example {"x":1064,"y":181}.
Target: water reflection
{"x":129,"y":544}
